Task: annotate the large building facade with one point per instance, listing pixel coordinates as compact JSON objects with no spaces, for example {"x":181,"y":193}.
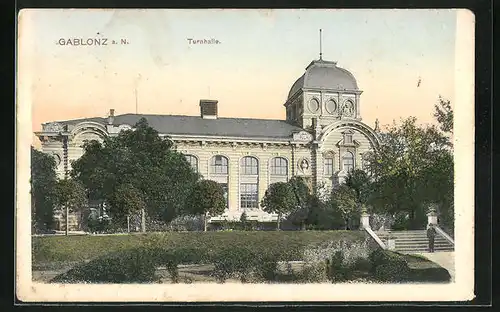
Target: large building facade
{"x":321,"y":139}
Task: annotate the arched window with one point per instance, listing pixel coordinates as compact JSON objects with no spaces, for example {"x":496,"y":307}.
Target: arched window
{"x":193,"y":161}
{"x":249,"y":166}
{"x":348,"y":161}
{"x":279,"y":166}
{"x":218,"y":165}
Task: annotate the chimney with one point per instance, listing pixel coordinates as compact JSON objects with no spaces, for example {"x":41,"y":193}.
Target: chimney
{"x":208,"y":109}
{"x":111,"y":116}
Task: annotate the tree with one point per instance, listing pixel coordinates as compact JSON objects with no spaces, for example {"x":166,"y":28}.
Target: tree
{"x":444,"y":115}
{"x":43,"y":181}
{"x":281,"y":199}
{"x":403,"y":167}
{"x":345,"y":202}
{"x":359,"y":181}
{"x":126,"y":201}
{"x":70,"y":194}
{"x":299,"y":215}
{"x":141,"y":162}
{"x":207,"y":199}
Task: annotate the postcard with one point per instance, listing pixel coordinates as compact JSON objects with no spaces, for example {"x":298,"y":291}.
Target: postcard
{"x":250,"y":155}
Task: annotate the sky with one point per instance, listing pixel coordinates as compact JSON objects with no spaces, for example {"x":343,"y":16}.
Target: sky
{"x":260,"y":55}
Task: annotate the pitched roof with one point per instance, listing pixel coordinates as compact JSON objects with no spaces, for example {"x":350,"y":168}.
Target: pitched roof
{"x":195,"y":125}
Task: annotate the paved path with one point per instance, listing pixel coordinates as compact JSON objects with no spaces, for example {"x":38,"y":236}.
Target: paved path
{"x":446,"y":259}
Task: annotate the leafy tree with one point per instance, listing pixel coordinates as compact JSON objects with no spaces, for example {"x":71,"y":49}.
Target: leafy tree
{"x":301,"y":192}
{"x":70,"y":195}
{"x":344,"y":202}
{"x":126,"y":201}
{"x":444,"y":115}
{"x":403,"y":170}
{"x":207,"y":199}
{"x":141,"y":162}
{"x":281,"y":199}
{"x":43,"y":181}
{"x":359,"y":181}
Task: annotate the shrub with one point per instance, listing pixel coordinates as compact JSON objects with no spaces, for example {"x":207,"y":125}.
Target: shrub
{"x":234,"y":261}
{"x":130,"y":266}
{"x":313,"y":273}
{"x":430,"y":275}
{"x":388,"y":266}
{"x":267,"y":267}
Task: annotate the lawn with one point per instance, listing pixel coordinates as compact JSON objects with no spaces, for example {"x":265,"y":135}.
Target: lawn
{"x":55,"y":249}
{"x":244,"y":256}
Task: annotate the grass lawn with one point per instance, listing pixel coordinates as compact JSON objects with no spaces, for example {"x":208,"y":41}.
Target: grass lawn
{"x":117,"y":256}
{"x":48,"y":250}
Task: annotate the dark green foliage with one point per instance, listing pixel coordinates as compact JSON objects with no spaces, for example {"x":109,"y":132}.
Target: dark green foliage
{"x":336,"y":271}
{"x":141,"y":163}
{"x":129,"y":266}
{"x":444,"y":115}
{"x":430,"y":275}
{"x":388,"y":266}
{"x":206,"y":199}
{"x":411,"y":169}
{"x":280,"y":198}
{"x":231,"y":261}
{"x":43,"y":182}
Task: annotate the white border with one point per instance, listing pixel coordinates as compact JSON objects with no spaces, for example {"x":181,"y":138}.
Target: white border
{"x":461,"y":289}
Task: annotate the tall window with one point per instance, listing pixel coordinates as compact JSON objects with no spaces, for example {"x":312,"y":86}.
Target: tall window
{"x":328,"y":166}
{"x":348,"y":161}
{"x":249,"y":195}
{"x":193,"y":161}
{"x":249,"y":166}
{"x":218,"y":165}
{"x":279,"y":166}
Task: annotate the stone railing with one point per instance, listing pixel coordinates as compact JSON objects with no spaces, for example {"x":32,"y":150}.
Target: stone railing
{"x":365,"y":224}
{"x":445,"y":235}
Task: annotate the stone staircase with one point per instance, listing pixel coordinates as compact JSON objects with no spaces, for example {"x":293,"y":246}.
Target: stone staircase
{"x":414,"y":241}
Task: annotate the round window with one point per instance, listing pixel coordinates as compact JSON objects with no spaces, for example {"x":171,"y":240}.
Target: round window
{"x":314,"y":105}
{"x":331,"y":106}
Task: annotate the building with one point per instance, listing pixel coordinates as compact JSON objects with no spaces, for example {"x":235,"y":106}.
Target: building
{"x":321,"y":138}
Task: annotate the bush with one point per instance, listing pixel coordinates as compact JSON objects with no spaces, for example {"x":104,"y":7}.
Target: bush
{"x":231,"y":262}
{"x":388,"y":266}
{"x":130,"y":266}
{"x":267,"y":267}
{"x":430,"y":275}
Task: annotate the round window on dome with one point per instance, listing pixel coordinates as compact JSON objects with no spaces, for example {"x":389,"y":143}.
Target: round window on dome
{"x":314,"y":105}
{"x":331,"y":106}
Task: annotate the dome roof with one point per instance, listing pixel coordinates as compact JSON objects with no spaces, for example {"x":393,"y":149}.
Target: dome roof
{"x":322,"y":74}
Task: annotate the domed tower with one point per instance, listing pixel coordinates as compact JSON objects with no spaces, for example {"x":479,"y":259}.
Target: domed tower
{"x":325,"y":92}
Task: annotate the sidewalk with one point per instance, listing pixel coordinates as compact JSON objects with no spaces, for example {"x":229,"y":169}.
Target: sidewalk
{"x":446,"y":259}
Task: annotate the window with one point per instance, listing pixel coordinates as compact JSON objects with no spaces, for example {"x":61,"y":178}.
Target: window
{"x":348,"y":161}
{"x":193,"y":161}
{"x":249,"y":195}
{"x":249,"y":166}
{"x":279,"y":166}
{"x":218,"y":165}
{"x":347,"y":138}
{"x":328,"y":166}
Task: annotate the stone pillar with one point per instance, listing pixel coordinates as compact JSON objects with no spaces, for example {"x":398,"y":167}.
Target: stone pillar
{"x":365,"y":218}
{"x":432,"y":216}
